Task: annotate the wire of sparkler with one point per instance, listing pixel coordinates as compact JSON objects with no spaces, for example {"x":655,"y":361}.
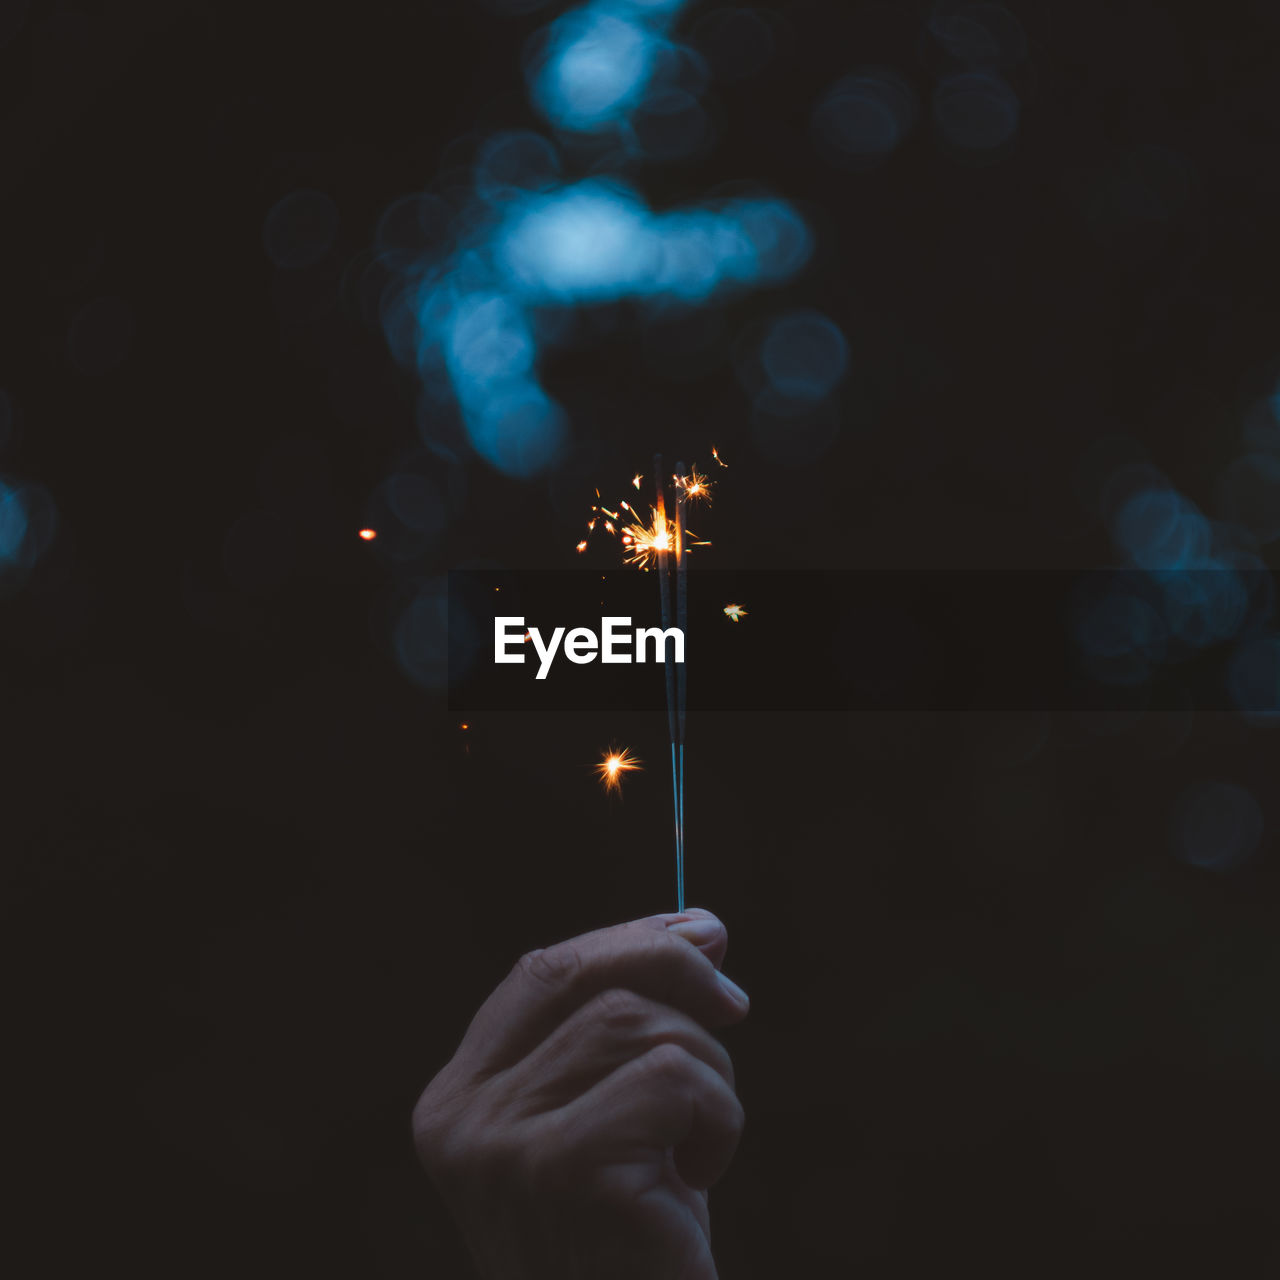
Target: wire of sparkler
{"x":664,"y":595}
{"x":682,"y":621}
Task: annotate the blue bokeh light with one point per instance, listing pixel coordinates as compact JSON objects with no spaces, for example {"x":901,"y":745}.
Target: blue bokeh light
{"x":804,"y":355}
{"x":864,"y":117}
{"x":1122,"y":636}
{"x":1217,"y":826}
{"x":591,"y":67}
{"x":979,"y":34}
{"x":975,"y":111}
{"x":1157,"y":528}
{"x":1253,"y":679}
{"x":13,"y":525}
{"x":588,"y":242}
{"x":521,"y":432}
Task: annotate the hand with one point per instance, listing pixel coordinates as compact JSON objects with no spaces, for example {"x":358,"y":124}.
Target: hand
{"x":576,"y":1131}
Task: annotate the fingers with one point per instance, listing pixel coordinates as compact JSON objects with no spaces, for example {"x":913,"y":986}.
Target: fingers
{"x":666,"y":1098}
{"x":691,"y":924}
{"x":546,"y":986}
{"x":612,"y":1028}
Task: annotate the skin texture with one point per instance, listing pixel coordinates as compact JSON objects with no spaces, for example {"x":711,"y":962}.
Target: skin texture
{"x":588,"y":1109}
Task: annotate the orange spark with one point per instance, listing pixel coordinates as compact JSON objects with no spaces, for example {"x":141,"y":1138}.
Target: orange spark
{"x":636,"y":481}
{"x":735,"y":612}
{"x":644,"y":545}
{"x":614,"y":765}
{"x":582,"y":546}
{"x":368,"y":534}
{"x":718,"y":458}
{"x":695,"y":487}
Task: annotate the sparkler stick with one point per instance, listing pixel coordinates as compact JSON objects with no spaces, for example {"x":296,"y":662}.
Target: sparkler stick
{"x":664,"y":593}
{"x":682,"y":621}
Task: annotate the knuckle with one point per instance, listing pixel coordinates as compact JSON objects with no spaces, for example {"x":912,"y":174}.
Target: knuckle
{"x":668,"y":1061}
{"x":554,"y":966}
{"x":620,"y":1010}
{"x":724,"y":1064}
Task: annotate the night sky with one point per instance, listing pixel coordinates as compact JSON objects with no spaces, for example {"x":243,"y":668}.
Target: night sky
{"x":1013,"y":970}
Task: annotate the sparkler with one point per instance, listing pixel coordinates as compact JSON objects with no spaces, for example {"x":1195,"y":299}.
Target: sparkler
{"x":682,"y":621}
{"x":661,"y":545}
{"x":649,"y":543}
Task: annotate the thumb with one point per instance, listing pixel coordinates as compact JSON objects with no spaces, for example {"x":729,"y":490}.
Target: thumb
{"x":704,"y":930}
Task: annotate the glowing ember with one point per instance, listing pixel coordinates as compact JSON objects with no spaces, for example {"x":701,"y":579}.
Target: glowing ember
{"x":614,"y":765}
{"x":718,"y":458}
{"x":696,"y":487}
{"x":735,"y":611}
{"x":582,"y":546}
{"x":368,"y":534}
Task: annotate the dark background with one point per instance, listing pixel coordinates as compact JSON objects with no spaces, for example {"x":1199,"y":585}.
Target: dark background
{"x":258,"y":879}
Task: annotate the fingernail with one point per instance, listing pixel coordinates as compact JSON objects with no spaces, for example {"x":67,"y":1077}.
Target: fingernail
{"x":733,"y":989}
{"x":699,"y":932}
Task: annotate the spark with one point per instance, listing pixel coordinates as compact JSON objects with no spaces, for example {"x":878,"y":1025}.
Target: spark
{"x":582,"y":546}
{"x":464,"y":725}
{"x":644,"y":544}
{"x":609,"y":525}
{"x":636,"y":480}
{"x":591,"y":525}
{"x":735,"y":611}
{"x":368,"y":534}
{"x":716,"y":456}
{"x":614,"y":765}
{"x":696,"y":488}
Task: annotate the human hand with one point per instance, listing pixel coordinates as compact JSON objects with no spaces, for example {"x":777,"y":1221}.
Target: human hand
{"x":575,"y":1132}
